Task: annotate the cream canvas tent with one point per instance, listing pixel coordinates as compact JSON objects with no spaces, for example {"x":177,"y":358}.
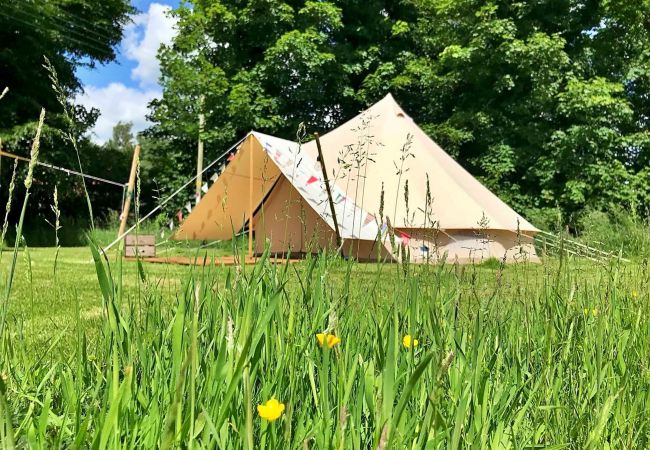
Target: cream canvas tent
{"x":394,"y":190}
{"x":279,"y":184}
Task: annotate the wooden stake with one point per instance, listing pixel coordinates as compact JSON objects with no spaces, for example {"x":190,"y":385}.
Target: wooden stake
{"x":329,"y":192}
{"x":250,"y":196}
{"x":129,"y":191}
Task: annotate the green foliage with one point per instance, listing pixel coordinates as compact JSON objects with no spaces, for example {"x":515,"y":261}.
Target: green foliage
{"x":615,"y":231}
{"x":71,"y":34}
{"x":105,"y":161}
{"x":122,"y":139}
{"x":268,"y":66}
{"x":546,"y":104}
{"x":171,"y":357}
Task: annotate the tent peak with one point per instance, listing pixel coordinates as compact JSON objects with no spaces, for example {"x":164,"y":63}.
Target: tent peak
{"x":389,"y":107}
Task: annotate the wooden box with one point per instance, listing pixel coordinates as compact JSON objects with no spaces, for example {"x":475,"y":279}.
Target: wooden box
{"x":143,"y":245}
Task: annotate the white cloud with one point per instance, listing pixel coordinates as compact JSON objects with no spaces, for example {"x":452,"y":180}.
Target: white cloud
{"x":119,"y":102}
{"x":143,"y":38}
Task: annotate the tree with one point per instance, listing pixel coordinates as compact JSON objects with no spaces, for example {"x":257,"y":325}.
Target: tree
{"x":545,"y":101}
{"x":268,"y":65}
{"x":122,"y":139}
{"x":70,"y":34}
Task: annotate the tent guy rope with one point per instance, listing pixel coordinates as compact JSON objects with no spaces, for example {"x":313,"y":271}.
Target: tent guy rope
{"x":63,"y":169}
{"x":174,"y":194}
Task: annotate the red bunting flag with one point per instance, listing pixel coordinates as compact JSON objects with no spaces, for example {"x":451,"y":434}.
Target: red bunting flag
{"x":179,"y":216}
{"x":369,"y":218}
{"x":231,"y":157}
{"x":312,"y":179}
{"x":404,"y":237}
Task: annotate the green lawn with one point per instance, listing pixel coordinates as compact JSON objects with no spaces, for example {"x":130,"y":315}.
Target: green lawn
{"x":551,"y":355}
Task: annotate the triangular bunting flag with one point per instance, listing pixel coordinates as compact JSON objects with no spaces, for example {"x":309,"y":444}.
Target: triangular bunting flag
{"x":312,"y":179}
{"x":188,"y":206}
{"x":384,"y":228}
{"x":405,"y":238}
{"x":231,"y":157}
{"x":179,"y":216}
{"x":424,"y":249}
{"x":204,"y":188}
{"x":214,"y":177}
{"x":369,"y":218}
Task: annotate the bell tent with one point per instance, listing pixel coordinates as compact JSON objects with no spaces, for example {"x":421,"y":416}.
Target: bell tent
{"x":393,"y":189}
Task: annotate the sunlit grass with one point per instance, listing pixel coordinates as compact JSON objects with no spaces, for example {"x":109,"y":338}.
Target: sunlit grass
{"x":166,"y":356}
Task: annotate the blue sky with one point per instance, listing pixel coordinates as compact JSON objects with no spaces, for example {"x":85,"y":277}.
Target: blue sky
{"x":122,"y":89}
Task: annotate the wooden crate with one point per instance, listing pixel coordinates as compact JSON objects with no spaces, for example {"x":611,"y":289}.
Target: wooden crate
{"x":143,"y":245}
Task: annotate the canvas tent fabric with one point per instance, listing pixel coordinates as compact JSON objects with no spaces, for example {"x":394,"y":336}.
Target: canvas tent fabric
{"x":223,"y":209}
{"x":444,"y":209}
{"x":394,"y":189}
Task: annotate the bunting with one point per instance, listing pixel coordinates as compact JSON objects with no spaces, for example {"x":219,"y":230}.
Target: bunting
{"x":369,"y":218}
{"x":404,"y":237}
{"x":307,"y":178}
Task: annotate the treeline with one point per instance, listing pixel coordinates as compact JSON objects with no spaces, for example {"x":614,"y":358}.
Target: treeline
{"x":545,"y":101}
{"x":69,"y":34}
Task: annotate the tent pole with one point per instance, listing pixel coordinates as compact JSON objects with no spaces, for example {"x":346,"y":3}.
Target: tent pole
{"x":169,"y":198}
{"x":329,"y":192}
{"x":250,"y":198}
{"x":130,"y":189}
{"x":199,"y":152}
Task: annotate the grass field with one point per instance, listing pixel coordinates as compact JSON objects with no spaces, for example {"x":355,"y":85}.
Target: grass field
{"x":98,"y":355}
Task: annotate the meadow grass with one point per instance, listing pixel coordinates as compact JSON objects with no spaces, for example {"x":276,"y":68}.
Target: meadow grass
{"x":129,"y":355}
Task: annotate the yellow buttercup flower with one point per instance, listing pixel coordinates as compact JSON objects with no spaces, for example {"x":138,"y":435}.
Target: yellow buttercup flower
{"x":408,"y":341}
{"x":635,"y":294}
{"x":331,"y":339}
{"x":595,"y":312}
{"x":271,"y":410}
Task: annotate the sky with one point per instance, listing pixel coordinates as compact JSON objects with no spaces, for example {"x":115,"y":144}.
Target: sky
{"x":122,"y":89}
